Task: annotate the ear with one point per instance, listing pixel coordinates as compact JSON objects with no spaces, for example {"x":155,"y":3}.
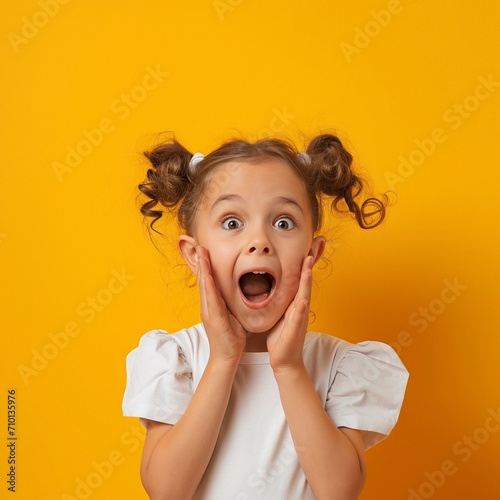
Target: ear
{"x":317,"y":247}
{"x":187,"y":247}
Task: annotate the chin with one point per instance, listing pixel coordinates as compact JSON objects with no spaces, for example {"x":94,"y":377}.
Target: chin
{"x":258,"y":323}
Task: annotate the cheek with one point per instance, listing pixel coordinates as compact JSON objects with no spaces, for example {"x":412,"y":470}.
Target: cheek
{"x":222,"y":263}
{"x":290,"y":281}
{"x":292,"y":268}
{"x":219,"y":252}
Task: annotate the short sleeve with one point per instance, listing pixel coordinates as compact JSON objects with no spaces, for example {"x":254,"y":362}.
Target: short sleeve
{"x":159,"y":379}
{"x":367,"y":390}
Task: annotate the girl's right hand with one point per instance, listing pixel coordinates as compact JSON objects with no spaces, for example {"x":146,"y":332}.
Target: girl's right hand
{"x":225,"y":334}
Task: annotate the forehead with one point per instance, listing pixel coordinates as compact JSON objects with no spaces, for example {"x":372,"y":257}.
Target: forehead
{"x":257,"y":181}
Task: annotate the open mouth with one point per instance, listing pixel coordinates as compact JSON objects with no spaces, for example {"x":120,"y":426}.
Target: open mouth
{"x":257,"y":286}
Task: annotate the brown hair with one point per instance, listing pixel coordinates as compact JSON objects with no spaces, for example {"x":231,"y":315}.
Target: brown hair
{"x":328,"y":174}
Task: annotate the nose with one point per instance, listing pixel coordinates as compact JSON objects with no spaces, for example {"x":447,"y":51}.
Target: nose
{"x":258,"y":249}
{"x":259,"y":243}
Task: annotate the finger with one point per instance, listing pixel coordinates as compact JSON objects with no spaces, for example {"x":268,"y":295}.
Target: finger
{"x":203,"y":271}
{"x":212,"y":296}
{"x":236,"y":326}
{"x":299,"y":315}
{"x":204,"y":262}
{"x":213,"y":300}
{"x":305,"y":285}
{"x":208,"y":268}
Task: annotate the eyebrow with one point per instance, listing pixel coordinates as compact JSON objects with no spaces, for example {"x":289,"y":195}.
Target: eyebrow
{"x":225,"y":197}
{"x":236,"y":197}
{"x":288,"y":201}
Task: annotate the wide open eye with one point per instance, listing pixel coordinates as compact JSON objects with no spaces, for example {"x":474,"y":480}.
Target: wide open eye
{"x":232,"y":223}
{"x":285,"y":223}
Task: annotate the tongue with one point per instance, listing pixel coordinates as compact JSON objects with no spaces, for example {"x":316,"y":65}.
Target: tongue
{"x":255,"y":287}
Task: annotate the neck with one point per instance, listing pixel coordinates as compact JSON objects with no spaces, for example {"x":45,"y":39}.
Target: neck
{"x":256,"y":342}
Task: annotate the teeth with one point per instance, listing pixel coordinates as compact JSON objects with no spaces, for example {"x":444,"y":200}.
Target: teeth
{"x":259,"y":272}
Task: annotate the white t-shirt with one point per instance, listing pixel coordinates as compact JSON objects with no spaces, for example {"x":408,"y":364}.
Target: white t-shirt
{"x":360,"y":385}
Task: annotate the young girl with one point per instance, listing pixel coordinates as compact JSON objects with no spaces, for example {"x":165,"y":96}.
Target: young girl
{"x":249,"y":404}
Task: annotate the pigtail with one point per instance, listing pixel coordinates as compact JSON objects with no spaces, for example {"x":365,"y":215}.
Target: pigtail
{"x":332,"y":175}
{"x":168,"y":181}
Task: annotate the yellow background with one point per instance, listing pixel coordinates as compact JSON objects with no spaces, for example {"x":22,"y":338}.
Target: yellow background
{"x":249,"y":65}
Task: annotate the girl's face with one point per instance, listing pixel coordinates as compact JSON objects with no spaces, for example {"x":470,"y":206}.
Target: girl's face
{"x":255,"y":221}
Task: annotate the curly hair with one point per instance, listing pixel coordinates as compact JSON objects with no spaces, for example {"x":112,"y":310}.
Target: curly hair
{"x":328,"y":174}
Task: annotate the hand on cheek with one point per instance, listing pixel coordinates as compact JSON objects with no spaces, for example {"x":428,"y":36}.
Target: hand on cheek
{"x":225,"y":335}
{"x":286,"y":339}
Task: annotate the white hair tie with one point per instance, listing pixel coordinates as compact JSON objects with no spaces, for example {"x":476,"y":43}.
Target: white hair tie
{"x":305,"y":158}
{"x":197,"y":157}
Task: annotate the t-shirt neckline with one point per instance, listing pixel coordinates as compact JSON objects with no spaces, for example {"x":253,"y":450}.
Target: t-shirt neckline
{"x":254,"y":358}
{"x":262,"y":358}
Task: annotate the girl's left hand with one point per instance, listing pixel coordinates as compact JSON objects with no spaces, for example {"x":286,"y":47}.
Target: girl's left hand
{"x":286,"y":339}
